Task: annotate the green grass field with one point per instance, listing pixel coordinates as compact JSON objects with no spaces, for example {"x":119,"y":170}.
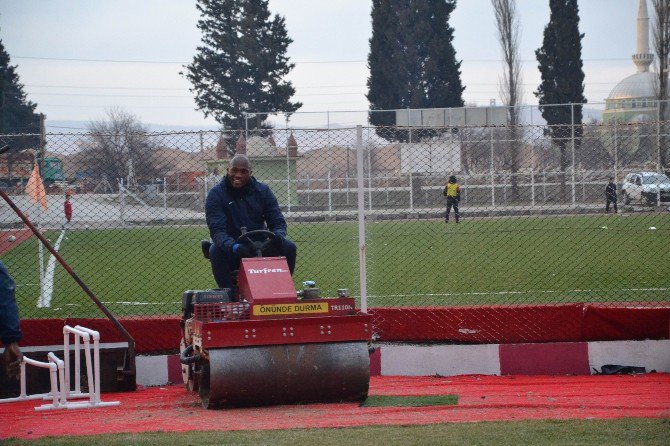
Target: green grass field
{"x":411,"y":262}
{"x":627,"y":431}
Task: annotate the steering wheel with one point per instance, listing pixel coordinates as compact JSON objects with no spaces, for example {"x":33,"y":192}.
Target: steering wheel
{"x":261,"y":241}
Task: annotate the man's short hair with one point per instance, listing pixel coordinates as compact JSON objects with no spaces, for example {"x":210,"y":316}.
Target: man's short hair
{"x":240,"y":159}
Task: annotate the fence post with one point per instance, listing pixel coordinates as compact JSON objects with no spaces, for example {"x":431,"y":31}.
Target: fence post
{"x":346,"y":179}
{"x":206,"y":186}
{"x":532,"y":188}
{"x":361,"y":219}
{"x":572,"y":120}
{"x":369,"y":180}
{"x":330,"y":195}
{"x":387,"y":190}
{"x":507,"y":178}
{"x":465,"y":190}
{"x":409,"y":126}
{"x":658,"y":136}
{"x":121,"y":201}
{"x":411,"y":192}
{"x":616,"y":154}
{"x":164,"y":199}
{"x":544,"y":186}
{"x":288,"y":181}
{"x":493,"y":182}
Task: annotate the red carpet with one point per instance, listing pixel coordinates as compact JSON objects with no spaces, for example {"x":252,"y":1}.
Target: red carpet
{"x":481,"y":398}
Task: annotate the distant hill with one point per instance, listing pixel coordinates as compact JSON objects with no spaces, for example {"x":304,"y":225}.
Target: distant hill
{"x":56,"y":126}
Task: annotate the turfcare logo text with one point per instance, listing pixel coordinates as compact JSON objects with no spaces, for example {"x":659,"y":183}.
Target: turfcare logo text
{"x":266,"y":271}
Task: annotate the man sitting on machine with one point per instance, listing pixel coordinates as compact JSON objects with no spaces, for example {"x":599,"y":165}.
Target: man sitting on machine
{"x":240,"y":201}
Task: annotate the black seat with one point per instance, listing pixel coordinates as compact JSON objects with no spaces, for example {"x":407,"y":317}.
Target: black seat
{"x":205,"y":245}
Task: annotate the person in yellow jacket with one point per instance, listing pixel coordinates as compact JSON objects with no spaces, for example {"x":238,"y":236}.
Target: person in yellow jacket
{"x":453,"y":193}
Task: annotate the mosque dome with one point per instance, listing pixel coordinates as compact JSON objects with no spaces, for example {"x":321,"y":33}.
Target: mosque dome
{"x":638,"y":85}
{"x":633,"y":99}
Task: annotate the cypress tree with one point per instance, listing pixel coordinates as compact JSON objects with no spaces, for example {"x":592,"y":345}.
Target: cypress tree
{"x":560,"y":64}
{"x":241,"y":64}
{"x":384,"y":82}
{"x":412,"y":60}
{"x":17,"y":113}
{"x":441,"y":71}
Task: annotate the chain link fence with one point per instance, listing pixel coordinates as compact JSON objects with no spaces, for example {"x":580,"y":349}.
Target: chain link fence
{"x":532,"y":232}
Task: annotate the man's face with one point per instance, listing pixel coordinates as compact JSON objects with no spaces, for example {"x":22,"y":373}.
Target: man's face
{"x":239,"y":175}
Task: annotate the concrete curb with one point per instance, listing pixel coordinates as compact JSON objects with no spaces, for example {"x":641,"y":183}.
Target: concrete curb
{"x":560,"y":358}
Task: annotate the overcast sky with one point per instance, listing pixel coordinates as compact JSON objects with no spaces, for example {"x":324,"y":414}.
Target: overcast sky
{"x":77,"y":58}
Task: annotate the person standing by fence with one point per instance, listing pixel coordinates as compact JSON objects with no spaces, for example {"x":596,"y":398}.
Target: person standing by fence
{"x":610,"y":195}
{"x":67,"y":208}
{"x":453,"y":193}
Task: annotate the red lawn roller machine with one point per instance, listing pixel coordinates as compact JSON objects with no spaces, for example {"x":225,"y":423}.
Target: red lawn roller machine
{"x":265,"y":343}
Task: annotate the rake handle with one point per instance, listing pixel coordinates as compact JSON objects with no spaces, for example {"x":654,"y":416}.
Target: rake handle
{"x":45,"y":242}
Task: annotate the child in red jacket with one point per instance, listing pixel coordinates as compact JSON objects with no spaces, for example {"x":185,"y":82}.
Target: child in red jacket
{"x":67,"y":207}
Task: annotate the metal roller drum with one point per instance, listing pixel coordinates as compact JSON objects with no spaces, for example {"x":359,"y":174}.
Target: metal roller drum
{"x":285,"y":374}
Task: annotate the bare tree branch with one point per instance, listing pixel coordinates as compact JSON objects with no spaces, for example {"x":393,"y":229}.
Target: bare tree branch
{"x":507,"y":22}
{"x":120,"y":146}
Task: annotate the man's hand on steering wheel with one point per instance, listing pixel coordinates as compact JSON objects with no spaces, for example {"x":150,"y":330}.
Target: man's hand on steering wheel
{"x":243,"y":251}
{"x":259,"y":243}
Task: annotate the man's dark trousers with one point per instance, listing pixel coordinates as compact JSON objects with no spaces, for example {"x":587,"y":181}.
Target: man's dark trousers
{"x":607,"y":204}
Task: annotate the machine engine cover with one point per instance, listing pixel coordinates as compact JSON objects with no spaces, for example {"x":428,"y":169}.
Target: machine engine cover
{"x":191,"y":297}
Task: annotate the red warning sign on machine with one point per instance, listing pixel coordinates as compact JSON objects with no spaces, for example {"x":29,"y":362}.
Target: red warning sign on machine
{"x":264,"y":279}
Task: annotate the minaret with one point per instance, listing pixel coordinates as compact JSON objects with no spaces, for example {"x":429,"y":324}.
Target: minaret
{"x":643,"y":58}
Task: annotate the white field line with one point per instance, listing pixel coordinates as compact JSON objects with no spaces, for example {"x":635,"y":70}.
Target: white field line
{"x":125,"y":303}
{"x":48,"y":280}
{"x":495,"y":293}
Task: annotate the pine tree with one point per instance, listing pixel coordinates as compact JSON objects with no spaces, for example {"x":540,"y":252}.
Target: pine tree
{"x":560,"y":64}
{"x":412,"y":60}
{"x":241,"y":64}
{"x":17,"y":114}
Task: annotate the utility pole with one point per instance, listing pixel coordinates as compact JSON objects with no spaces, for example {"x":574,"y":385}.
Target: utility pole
{"x":2,"y":106}
{"x":43,"y":141}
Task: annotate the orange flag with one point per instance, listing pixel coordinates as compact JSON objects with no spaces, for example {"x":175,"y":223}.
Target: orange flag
{"x":35,"y":188}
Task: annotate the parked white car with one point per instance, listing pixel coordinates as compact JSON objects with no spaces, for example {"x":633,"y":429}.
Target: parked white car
{"x":644,"y":186}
